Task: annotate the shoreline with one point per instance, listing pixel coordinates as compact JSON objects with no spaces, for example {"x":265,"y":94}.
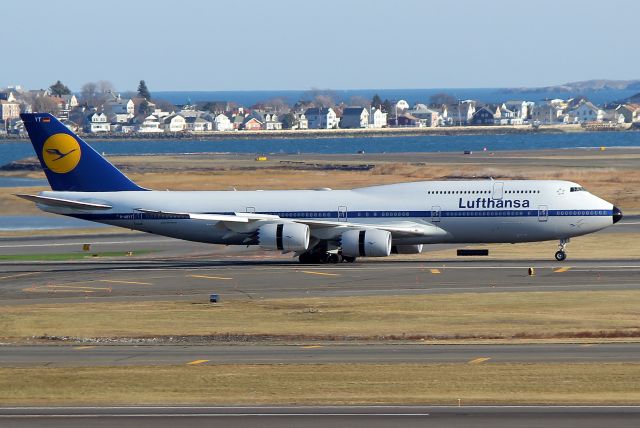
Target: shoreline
{"x":345,"y":133}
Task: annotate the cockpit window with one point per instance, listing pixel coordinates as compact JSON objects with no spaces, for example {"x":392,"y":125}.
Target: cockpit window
{"x":577,"y":189}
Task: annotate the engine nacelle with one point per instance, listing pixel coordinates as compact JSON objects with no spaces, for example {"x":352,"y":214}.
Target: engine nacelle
{"x":366,"y":243}
{"x":406,"y":249}
{"x":284,"y":237}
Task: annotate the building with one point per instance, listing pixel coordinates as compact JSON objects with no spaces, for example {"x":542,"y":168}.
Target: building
{"x":198,"y":124}
{"x":482,"y":116}
{"x":119,"y":106}
{"x":322,"y":118}
{"x":425,"y":116}
{"x":459,"y":113}
{"x":97,"y":122}
{"x":630,"y":113}
{"x":547,"y":113}
{"x":174,"y":123}
{"x":151,"y":123}
{"x":9,"y":110}
{"x":271,"y":122}
{"x":585,"y":112}
{"x":377,"y":118}
{"x":354,"y":117}
{"x":222,"y":123}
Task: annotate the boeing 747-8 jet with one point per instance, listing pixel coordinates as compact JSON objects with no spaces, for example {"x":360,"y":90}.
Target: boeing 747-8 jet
{"x":316,"y":225}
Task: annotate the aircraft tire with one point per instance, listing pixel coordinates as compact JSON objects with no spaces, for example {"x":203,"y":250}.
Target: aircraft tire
{"x":561,"y":256}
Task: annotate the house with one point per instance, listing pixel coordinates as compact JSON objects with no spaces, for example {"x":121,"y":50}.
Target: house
{"x":252,"y":123}
{"x":119,"y":106}
{"x":9,"y":110}
{"x":459,"y":113}
{"x":402,"y":106}
{"x":354,"y":117}
{"x":629,"y":112}
{"x":426,"y":116}
{"x":198,"y":124}
{"x":547,"y":113}
{"x":7,"y":96}
{"x":483,"y":116}
{"x":222,"y":123}
{"x":271,"y":122}
{"x":322,"y":118}
{"x":377,"y":119}
{"x":407,"y":119}
{"x":520,"y":109}
{"x":506,"y":116}
{"x":150,"y":123}
{"x":97,"y":122}
{"x":585,"y":112}
{"x":237,"y":121}
{"x":174,"y":123}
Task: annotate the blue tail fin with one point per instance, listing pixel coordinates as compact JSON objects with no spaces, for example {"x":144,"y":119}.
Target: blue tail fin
{"x":69,"y":163}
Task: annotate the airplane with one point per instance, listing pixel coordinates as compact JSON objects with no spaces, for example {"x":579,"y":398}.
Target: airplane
{"x":317,"y":226}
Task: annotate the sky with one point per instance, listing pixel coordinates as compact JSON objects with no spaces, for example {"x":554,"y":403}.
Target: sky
{"x":214,"y":45}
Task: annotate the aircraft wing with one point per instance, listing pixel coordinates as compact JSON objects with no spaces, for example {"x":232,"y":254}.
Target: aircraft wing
{"x":405,"y":228}
{"x":64,"y":203}
{"x":235,"y":218}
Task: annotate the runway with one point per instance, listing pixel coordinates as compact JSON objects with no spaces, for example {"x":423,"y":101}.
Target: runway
{"x":185,"y":271}
{"x":311,"y":417}
{"x":125,"y":355}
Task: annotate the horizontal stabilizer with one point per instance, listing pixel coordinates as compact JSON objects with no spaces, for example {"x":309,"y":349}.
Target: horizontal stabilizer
{"x":64,"y":203}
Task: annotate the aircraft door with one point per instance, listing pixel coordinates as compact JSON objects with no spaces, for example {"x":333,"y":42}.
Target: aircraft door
{"x":342,"y":213}
{"x":543,"y":213}
{"x":498,"y":189}
{"x":435,"y":213}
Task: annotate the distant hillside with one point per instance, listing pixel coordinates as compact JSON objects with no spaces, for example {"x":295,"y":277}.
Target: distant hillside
{"x":587,"y":85}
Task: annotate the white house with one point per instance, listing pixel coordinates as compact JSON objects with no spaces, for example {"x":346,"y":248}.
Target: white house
{"x":585,"y":112}
{"x":402,"y":106}
{"x":459,"y":113}
{"x":198,"y":124}
{"x":271,"y":122}
{"x":119,"y":106}
{"x":150,"y":124}
{"x":322,"y":118}
{"x":174,"y":123}
{"x":97,"y":122}
{"x":354,"y":117}
{"x":377,"y":119}
{"x":222,"y":123}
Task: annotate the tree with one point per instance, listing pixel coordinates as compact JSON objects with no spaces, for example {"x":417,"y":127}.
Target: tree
{"x":288,"y":120}
{"x":58,"y":89}
{"x":388,"y":107}
{"x":442,"y":98}
{"x":358,"y":101}
{"x":89,"y":94}
{"x":143,"y":91}
{"x":45,"y":105}
{"x":376,"y":101}
{"x":143,"y":107}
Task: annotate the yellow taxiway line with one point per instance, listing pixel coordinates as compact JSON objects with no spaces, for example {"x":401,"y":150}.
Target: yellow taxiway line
{"x":310,"y":272}
{"x":196,"y":362}
{"x":114,"y":281}
{"x":479,"y":360}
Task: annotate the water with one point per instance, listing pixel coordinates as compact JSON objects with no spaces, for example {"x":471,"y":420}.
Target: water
{"x":426,"y":143}
{"x":487,"y":95}
{"x":22,"y":182}
{"x":13,"y":223}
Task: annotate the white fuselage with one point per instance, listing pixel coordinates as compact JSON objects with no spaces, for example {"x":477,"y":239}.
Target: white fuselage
{"x":450,"y":211}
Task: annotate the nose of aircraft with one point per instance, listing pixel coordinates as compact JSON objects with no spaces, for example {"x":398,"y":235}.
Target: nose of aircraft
{"x":617,"y":214}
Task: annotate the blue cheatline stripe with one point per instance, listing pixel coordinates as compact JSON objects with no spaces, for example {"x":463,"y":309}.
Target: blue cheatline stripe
{"x":320,"y":215}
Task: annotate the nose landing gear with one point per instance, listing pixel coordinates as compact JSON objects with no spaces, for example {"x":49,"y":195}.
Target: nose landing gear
{"x":561,"y":254}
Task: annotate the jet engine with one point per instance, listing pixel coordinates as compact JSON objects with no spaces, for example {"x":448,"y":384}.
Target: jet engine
{"x":406,"y":249}
{"x":284,"y":237}
{"x":366,"y":243}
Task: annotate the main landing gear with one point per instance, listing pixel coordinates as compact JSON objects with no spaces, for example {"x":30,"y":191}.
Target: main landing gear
{"x":323,"y":257}
{"x":561,"y":254}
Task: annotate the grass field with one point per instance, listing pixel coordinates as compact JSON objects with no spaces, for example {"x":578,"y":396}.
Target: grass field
{"x":537,"y":315}
{"x":338,"y":384}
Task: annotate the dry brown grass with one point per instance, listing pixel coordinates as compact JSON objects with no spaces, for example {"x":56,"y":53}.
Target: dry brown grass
{"x":466,"y":315}
{"x":338,"y":384}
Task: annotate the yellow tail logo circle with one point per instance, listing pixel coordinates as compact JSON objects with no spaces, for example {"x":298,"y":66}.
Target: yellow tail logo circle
{"x":61,"y":153}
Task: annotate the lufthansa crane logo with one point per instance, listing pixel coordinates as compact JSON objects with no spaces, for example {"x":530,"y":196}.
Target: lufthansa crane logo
{"x":61,"y":153}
